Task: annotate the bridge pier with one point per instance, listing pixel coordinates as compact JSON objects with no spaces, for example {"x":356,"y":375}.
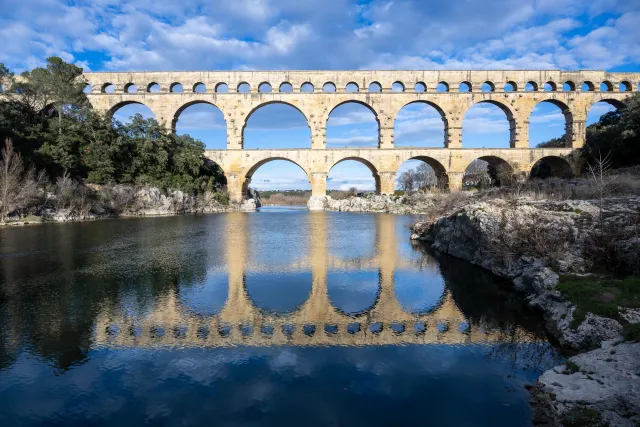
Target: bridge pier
{"x":235,"y":184}
{"x":387,"y":183}
{"x":455,"y":181}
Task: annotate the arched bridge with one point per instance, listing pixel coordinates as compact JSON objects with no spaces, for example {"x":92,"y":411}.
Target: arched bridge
{"x":317,"y":93}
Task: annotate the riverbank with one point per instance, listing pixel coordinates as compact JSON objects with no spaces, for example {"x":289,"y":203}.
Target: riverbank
{"x":561,"y":254}
{"x":100,"y":202}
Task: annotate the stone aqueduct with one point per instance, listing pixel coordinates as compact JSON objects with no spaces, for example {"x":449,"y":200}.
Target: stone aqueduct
{"x":110,"y":91}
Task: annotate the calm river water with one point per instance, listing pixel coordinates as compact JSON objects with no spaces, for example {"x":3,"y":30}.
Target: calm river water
{"x":280,"y":317}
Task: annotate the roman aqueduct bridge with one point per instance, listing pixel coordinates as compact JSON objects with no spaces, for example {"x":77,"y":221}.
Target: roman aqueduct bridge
{"x":238,"y":94}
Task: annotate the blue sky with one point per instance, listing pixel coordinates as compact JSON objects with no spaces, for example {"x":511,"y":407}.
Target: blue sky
{"x":101,"y":35}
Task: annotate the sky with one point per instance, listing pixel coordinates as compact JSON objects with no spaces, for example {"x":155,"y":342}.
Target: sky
{"x":134,"y":35}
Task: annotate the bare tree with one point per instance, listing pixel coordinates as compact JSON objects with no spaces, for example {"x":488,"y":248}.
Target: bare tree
{"x":425,"y":177}
{"x":599,"y":171}
{"x":17,"y":187}
{"x":407,"y":180}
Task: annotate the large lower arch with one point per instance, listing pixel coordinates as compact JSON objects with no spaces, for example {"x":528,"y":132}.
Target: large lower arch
{"x":273,"y":124}
{"x":551,"y":166}
{"x":246,"y":179}
{"x":488,"y":171}
{"x":432,"y":176}
{"x":365,"y":137}
{"x":601,"y":107}
{"x":422,"y":125}
{"x":112,"y":112}
{"x":210,"y":126}
{"x":368,"y":164}
{"x":550,"y":139}
{"x":504,"y":108}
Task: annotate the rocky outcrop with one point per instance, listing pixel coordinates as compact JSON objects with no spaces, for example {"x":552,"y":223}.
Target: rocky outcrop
{"x":414,"y":204}
{"x":528,"y":241}
{"x":126,"y":201}
{"x":606,"y":380}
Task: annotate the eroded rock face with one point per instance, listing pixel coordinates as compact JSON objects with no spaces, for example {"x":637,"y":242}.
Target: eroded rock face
{"x":607,"y":379}
{"x":529,"y":241}
{"x":381,"y":204}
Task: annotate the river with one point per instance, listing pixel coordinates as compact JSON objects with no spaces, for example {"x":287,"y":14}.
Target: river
{"x":278,"y":317}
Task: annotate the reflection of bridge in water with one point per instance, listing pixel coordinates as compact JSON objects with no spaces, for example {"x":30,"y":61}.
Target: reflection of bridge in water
{"x":316,"y":322}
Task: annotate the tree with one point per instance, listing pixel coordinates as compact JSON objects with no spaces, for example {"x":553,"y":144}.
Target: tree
{"x":59,"y":84}
{"x":616,"y":133}
{"x":553,"y":143}
{"x":425,"y":177}
{"x":6,"y":78}
{"x":17,"y":188}
{"x":407,"y":180}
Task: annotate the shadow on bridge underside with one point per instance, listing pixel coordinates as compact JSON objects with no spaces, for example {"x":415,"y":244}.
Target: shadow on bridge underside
{"x":318,"y":320}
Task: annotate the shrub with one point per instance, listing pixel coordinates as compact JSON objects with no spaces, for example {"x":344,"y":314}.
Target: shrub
{"x":582,"y":416}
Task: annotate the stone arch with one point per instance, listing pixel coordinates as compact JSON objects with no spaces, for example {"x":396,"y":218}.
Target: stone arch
{"x":510,"y":86}
{"x":176,"y":87}
{"x":441,"y":175}
{"x":285,"y":87}
{"x":107,"y":86}
{"x":568,"y":86}
{"x":243,"y":87}
{"x":119,"y":105}
{"x":550,"y":86}
{"x":620,"y":105}
{"x":489,"y":86}
{"x":199,"y":87}
{"x":152,"y":85}
{"x":222,"y":87}
{"x":329,"y":87}
{"x":442,"y":87}
{"x":551,"y":166}
{"x":587,"y":86}
{"x":568,"y":119}
{"x":368,"y":164}
{"x":443,"y":115}
{"x":531,"y":86}
{"x":246,"y":176}
{"x":307,"y":87}
{"x":607,"y":86}
{"x":464,"y":87}
{"x":264,"y":104}
{"x":397,"y":86}
{"x":499,"y":172}
{"x":265,"y":87}
{"x":506,"y":110}
{"x":176,"y":115}
{"x":352,"y":87}
{"x":625,"y":86}
{"x":130,"y":88}
{"x":374,"y":87}
{"x":420,"y":87}
{"x":355,"y":101}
